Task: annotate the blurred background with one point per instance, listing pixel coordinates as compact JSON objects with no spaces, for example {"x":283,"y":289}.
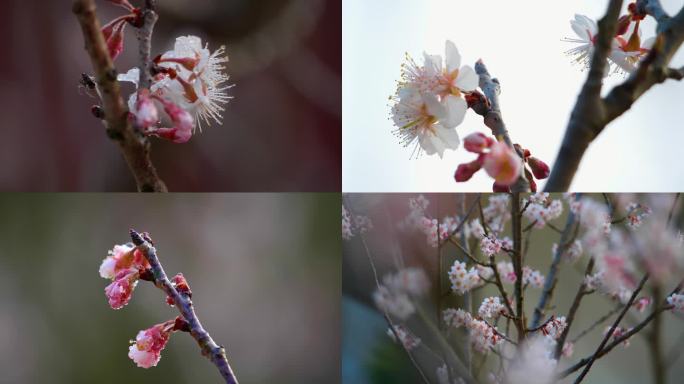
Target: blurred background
{"x":264,"y":270}
{"x":281,"y":132}
{"x":369,"y":356}
{"x":521,"y":43}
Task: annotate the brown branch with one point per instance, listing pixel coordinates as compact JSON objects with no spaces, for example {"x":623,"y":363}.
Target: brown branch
{"x":593,"y":113}
{"x":518,"y":265}
{"x":493,"y":119}
{"x":214,"y":352}
{"x":581,"y":292}
{"x":610,"y":332}
{"x":133,"y":145}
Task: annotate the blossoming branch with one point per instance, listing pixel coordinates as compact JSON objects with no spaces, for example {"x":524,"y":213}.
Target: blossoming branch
{"x":125,"y":266}
{"x":627,"y":247}
{"x":434,"y":95}
{"x":176,"y":91}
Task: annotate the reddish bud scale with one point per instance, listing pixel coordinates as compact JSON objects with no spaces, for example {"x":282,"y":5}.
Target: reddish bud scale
{"x":623,"y":25}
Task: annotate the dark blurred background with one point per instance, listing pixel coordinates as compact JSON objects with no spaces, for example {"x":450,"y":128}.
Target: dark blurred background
{"x":282,"y":132}
{"x":264,"y":270}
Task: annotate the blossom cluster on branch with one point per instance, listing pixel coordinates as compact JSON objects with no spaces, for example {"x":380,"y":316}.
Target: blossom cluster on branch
{"x":624,"y":240}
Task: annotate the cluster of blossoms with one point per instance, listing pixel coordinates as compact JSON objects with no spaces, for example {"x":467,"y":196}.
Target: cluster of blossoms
{"x":463,"y":279}
{"x":627,"y":48}
{"x":394,"y":295}
{"x":491,"y":246}
{"x":501,"y":163}
{"x":188,"y":82}
{"x":356,"y":225}
{"x":434,"y":230}
{"x":491,"y":307}
{"x":125,"y":265}
{"x":432,"y":99}
{"x":482,"y":335}
{"x":429,"y":101}
{"x":541,"y":209}
{"x":407,"y":339}
{"x":554,"y":327}
{"x":636,"y":213}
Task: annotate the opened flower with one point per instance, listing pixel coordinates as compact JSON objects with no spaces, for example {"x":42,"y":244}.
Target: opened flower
{"x":146,"y":350}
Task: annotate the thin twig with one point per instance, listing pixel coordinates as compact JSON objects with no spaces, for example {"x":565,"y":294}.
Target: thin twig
{"x":133,"y":145}
{"x":518,"y":265}
{"x":610,"y":332}
{"x":214,"y":352}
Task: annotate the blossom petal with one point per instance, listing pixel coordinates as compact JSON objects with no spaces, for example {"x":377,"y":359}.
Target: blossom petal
{"x":467,"y":79}
{"x":456,"y":109}
{"x":132,"y":76}
{"x":452,"y":57}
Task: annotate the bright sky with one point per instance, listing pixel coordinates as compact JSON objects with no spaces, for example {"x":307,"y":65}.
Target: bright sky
{"x":521,"y":44}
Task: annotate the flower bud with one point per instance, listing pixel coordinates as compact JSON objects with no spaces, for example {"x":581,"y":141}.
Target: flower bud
{"x":465,"y":171}
{"x":502,"y":164}
{"x":623,"y":25}
{"x":146,"y":114}
{"x":183,"y":121}
{"x":477,"y":142}
{"x":500,"y":188}
{"x":120,"y":291}
{"x":146,"y":351}
{"x":539,"y":168}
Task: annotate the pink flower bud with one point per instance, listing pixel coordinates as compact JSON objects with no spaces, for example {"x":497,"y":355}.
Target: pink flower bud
{"x":499,"y":188}
{"x":183,"y":121}
{"x":146,"y":114}
{"x":114,"y":36}
{"x":465,"y":171}
{"x":502,"y":164}
{"x":477,"y":142}
{"x":539,"y":168}
{"x":181,"y":286}
{"x":120,"y":291}
{"x":122,"y":258}
{"x":146,"y":351}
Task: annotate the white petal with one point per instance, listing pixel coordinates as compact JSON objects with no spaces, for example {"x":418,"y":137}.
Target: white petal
{"x":452,"y":57}
{"x":456,"y":109}
{"x":449,"y":136}
{"x":132,"y":76}
{"x":435,"y":108}
{"x":431,"y":144}
{"x":467,"y":79}
{"x":433,"y":64}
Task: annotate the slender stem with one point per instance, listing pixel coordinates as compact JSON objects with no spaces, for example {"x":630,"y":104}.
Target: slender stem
{"x":133,"y":145}
{"x":610,"y":332}
{"x":518,"y":265}
{"x":551,"y":277}
{"x":211,"y":350}
{"x":581,"y":292}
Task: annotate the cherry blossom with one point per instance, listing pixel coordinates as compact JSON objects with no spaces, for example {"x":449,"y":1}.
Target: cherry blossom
{"x":456,"y":318}
{"x":491,"y":307}
{"x":676,"y":300}
{"x":146,"y":350}
{"x":120,"y":291}
{"x":406,"y":338}
{"x":462,"y":279}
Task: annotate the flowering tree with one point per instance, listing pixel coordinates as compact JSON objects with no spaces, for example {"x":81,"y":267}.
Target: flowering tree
{"x":186,"y":83}
{"x":627,"y":248}
{"x":127,"y":264}
{"x":433,"y":97}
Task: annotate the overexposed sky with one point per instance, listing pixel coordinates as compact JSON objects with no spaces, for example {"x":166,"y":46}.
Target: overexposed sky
{"x":521,"y":43}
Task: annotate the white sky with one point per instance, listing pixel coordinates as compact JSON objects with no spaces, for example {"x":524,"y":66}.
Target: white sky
{"x":520,"y":42}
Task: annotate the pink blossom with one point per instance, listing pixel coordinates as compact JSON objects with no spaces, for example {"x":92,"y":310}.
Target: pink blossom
{"x":676,"y":300}
{"x":120,"y":291}
{"x":491,"y":307}
{"x":146,"y":113}
{"x":122,"y":258}
{"x":503,"y":164}
{"x":406,"y":338}
{"x":456,"y":317}
{"x":477,"y":142}
{"x":146,"y":351}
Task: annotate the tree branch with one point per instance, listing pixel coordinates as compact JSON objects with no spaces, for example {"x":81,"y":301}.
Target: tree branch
{"x":133,"y":145}
{"x":610,"y":332}
{"x":494,"y":120}
{"x":518,"y":265}
{"x":214,"y":352}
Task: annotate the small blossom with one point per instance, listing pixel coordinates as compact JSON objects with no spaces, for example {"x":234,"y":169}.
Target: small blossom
{"x":409,"y":340}
{"x":554,"y":327}
{"x":533,"y":277}
{"x":477,"y":142}
{"x":120,"y":291}
{"x":643,"y":303}
{"x":676,"y":300}
{"x":490,"y":246}
{"x":146,"y":350}
{"x":483,"y":336}
{"x":122,"y":258}
{"x":491,"y":307}
{"x":462,"y":279}
{"x":456,"y":318}
{"x":618,"y":333}
{"x":503,"y":164}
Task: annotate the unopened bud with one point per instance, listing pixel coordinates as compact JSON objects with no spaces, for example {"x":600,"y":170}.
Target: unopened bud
{"x":477,"y":142}
{"x":540,"y":169}
{"x":466,"y":170}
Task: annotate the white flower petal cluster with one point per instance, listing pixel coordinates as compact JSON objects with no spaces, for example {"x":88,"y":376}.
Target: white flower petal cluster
{"x":429,"y":102}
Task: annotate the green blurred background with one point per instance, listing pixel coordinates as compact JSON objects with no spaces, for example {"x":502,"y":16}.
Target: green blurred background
{"x":264,"y":270}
